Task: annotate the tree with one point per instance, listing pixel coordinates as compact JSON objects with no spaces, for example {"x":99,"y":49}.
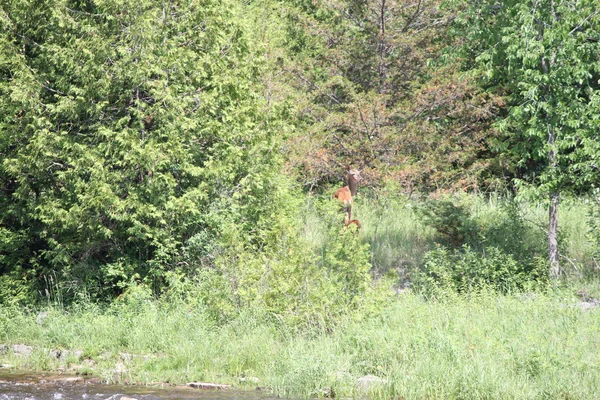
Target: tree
{"x":379,"y":86}
{"x":126,"y":129}
{"x":544,"y":56}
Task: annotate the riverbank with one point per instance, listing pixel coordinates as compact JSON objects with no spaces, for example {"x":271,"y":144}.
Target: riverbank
{"x":479,"y":346}
{"x":17,"y":385}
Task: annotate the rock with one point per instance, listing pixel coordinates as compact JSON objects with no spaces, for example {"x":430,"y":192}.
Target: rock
{"x":88,"y":362}
{"x":125,"y":356}
{"x":3,"y":349}
{"x":75,"y":368}
{"x":119,"y":368}
{"x":22,"y":350}
{"x":6,"y":366}
{"x":127,"y":398}
{"x":41,"y":318}
{"x":70,"y":379}
{"x":206,"y":385}
{"x":589,"y":304}
{"x":249,"y":379}
{"x":368,"y":382}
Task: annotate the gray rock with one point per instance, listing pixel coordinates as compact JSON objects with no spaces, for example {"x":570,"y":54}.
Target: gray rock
{"x":3,"y":349}
{"x":41,"y":318}
{"x":70,"y":379}
{"x":588,"y":305}
{"x":368,"y":382}
{"x":88,"y":362}
{"x":249,"y":379}
{"x":22,"y":350}
{"x":119,"y":368}
{"x":207,"y":385}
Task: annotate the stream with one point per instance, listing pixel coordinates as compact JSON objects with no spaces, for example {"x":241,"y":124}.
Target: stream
{"x":40,"y":386}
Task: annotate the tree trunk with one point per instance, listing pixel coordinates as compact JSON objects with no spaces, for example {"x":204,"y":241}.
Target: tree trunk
{"x":553,"y":236}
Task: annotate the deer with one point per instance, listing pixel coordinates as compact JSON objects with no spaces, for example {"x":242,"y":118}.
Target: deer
{"x":353,"y":225}
{"x":346,"y":194}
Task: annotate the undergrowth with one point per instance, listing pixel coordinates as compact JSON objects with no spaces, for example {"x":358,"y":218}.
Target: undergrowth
{"x":476,"y":346}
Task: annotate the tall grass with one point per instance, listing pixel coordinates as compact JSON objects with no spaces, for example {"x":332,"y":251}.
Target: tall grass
{"x":480,"y":345}
{"x":399,"y":238}
{"x":483,"y":346}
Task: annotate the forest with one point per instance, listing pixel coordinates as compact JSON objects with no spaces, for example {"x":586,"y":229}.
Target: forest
{"x":168,"y":170}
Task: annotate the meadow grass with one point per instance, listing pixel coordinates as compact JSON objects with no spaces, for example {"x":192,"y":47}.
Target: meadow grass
{"x":474,"y":346}
{"x":399,"y":238}
{"x":482,"y":346}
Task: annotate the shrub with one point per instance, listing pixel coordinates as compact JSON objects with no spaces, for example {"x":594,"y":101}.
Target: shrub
{"x":464,"y":270}
{"x":157,"y":134}
{"x":452,"y":222}
{"x":290,"y":279}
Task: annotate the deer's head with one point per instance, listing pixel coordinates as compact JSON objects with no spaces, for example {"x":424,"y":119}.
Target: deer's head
{"x":353,"y":175}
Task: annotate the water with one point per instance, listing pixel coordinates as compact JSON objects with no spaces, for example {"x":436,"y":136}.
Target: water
{"x":23,"y":386}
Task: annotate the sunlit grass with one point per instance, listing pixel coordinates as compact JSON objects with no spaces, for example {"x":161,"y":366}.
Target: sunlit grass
{"x":398,"y":237}
{"x":474,"y":347}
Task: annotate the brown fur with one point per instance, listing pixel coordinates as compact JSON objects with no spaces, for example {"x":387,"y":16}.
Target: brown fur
{"x":346,"y":194}
{"x":354,"y":222}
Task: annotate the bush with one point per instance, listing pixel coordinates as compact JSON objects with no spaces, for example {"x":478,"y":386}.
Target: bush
{"x":158,"y":134}
{"x":290,"y":279}
{"x":452,"y":222}
{"x":480,"y":244}
{"x":464,"y":270}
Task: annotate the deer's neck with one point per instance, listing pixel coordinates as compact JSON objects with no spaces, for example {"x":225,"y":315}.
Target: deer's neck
{"x":352,"y":185}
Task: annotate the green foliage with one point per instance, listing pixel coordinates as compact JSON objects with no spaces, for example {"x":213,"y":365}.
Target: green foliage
{"x":377,"y":87}
{"x":469,"y":220}
{"x":593,"y":228}
{"x":550,"y":68}
{"x":126,"y":129}
{"x":482,"y":345}
{"x":452,"y":221}
{"x":480,"y":248}
{"x":464,"y":270}
{"x":292,"y":281}
{"x":543,"y":58}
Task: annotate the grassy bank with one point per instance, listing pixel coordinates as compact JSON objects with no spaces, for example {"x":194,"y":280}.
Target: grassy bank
{"x":480,"y":346}
{"x":399,"y":238}
{"x":290,"y":335}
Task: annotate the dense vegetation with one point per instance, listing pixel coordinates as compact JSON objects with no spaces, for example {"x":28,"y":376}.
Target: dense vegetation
{"x":473,"y":347}
{"x":187,"y":151}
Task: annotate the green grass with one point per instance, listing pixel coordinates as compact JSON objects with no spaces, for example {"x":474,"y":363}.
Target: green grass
{"x":473,"y":346}
{"x":482,"y":346}
{"x":398,"y":237}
